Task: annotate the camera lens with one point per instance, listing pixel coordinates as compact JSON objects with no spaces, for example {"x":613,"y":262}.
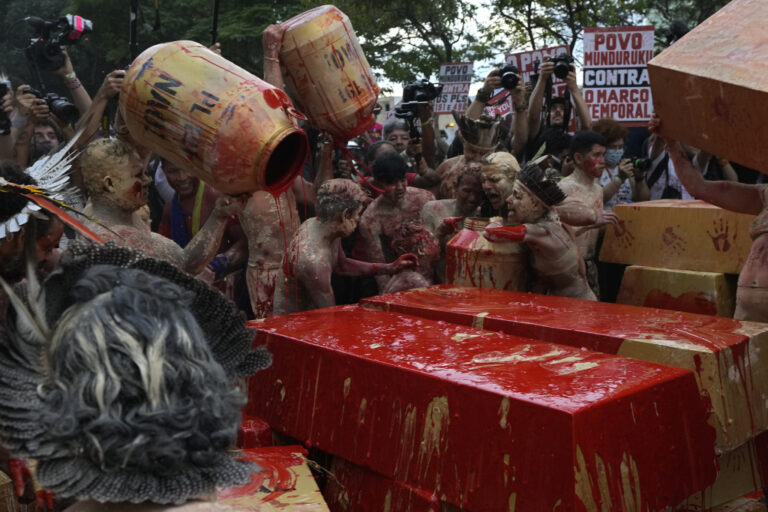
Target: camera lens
{"x":62,"y":108}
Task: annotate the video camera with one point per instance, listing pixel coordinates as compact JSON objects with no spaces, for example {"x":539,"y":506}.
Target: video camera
{"x":60,"y":107}
{"x":416,"y":93}
{"x":510,"y":76}
{"x":45,"y":49}
{"x":563,"y":63}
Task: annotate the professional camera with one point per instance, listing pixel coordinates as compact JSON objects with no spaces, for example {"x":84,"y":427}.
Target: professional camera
{"x":45,"y":47}
{"x":563,"y":63}
{"x":642,"y":164}
{"x":510,"y":76}
{"x":60,"y":107}
{"x":417,"y":93}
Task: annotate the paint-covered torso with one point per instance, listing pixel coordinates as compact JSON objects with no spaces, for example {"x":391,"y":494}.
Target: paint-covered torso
{"x":752,"y":293}
{"x":592,"y":196}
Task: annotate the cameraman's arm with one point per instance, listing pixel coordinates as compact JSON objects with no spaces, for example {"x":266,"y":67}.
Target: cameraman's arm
{"x":92,"y":118}
{"x":492,"y":82}
{"x":520,"y":135}
{"x":80,"y":96}
{"x":272,"y":40}
{"x":578,"y":101}
{"x":427,"y":135}
{"x":537,"y":98}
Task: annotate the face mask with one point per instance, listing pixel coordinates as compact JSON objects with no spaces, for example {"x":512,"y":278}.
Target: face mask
{"x":613,"y":156}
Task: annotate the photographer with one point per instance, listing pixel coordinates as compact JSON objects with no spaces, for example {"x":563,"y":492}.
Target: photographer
{"x":623,"y":180}
{"x":39,"y":134}
{"x":509,"y":78}
{"x":558,"y":107}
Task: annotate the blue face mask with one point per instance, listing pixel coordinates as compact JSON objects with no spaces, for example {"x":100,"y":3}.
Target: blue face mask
{"x":613,"y":156}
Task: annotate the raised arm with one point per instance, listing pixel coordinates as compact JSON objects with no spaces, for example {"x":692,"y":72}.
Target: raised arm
{"x":578,"y":101}
{"x":492,"y":82}
{"x":734,"y":196}
{"x":537,"y":98}
{"x":203,"y":246}
{"x":272,"y":40}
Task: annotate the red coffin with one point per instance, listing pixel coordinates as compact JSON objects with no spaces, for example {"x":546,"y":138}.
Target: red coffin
{"x":483,"y":420}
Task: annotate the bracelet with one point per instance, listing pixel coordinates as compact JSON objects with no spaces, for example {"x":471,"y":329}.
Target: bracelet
{"x":483,"y":96}
{"x":70,"y":76}
{"x":426,"y":123}
{"x":273,"y":59}
{"x":73,"y":84}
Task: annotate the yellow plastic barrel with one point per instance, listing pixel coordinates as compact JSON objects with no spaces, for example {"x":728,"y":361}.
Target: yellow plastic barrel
{"x":327,"y":74}
{"x":212,"y":118}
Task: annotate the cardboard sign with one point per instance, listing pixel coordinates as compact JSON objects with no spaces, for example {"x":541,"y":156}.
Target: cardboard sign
{"x":456,"y":79}
{"x":616,"y":81}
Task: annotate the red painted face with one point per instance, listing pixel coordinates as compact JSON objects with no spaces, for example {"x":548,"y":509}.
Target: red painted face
{"x":394,"y":192}
{"x":593,"y":163}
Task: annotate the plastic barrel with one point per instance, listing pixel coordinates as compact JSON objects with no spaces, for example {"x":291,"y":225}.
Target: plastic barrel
{"x":212,"y":118}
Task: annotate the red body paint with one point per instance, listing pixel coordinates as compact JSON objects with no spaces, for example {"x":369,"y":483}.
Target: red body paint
{"x":478,"y":416}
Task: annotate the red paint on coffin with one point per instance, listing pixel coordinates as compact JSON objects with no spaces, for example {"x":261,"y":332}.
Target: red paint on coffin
{"x":408,"y":399}
{"x":598,"y":326}
{"x":690,"y":302}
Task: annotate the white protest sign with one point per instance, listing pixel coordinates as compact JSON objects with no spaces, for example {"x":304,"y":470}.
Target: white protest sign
{"x":456,"y":79}
{"x":615,"y":73}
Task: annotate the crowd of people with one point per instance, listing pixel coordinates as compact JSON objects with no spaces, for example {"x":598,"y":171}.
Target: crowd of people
{"x":367,"y":216}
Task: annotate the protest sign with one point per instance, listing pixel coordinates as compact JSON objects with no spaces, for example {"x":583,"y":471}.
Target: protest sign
{"x":615,"y":73}
{"x":456,"y":79}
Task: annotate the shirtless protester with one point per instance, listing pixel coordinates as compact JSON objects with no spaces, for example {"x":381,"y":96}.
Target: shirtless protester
{"x":583,"y":188}
{"x":398,"y":203}
{"x":752,"y":291}
{"x":187,"y":211}
{"x":557,"y":265}
{"x":315,"y":251}
{"x":117,"y":187}
{"x":498,"y":177}
{"x":480,"y":137}
{"x":441,"y":217}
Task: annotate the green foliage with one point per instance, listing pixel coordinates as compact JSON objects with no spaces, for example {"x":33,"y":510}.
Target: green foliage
{"x":409,"y":39}
{"x":692,"y":12}
{"x":546,"y":23}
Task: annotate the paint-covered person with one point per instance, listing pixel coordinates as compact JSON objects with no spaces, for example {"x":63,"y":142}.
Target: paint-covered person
{"x":498,"y":175}
{"x":557,"y":265}
{"x":315,"y":251}
{"x":184,"y":215}
{"x":582,"y":187}
{"x":117,"y":187}
{"x":480,"y":137}
{"x":442,"y":217}
{"x":397,"y":204}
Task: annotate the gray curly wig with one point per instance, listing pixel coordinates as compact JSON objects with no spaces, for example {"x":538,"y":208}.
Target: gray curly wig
{"x":126,"y":398}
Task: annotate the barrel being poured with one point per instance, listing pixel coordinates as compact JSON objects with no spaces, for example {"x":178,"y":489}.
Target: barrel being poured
{"x":213,"y":119}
